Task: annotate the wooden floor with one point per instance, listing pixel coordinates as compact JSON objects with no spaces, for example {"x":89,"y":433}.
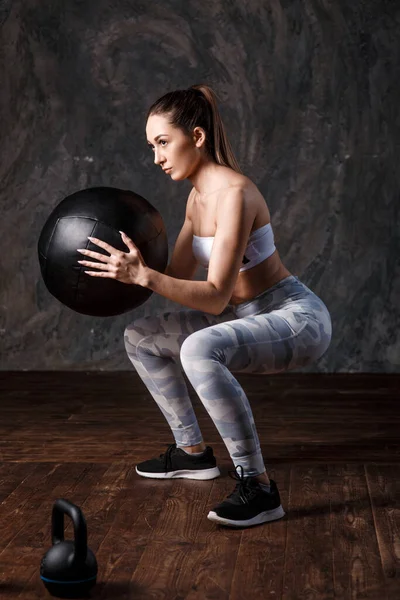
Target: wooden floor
{"x":331,"y":442}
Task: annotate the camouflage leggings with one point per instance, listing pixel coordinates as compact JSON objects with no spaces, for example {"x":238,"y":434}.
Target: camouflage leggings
{"x":284,"y":328}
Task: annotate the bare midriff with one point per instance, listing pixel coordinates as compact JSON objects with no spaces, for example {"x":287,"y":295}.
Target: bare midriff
{"x":203,"y":212}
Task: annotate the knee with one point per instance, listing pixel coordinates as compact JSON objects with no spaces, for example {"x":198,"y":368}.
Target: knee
{"x":200,"y":347}
{"x":191,"y":346}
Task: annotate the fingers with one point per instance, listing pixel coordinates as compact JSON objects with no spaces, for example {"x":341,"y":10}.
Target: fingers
{"x":100,"y":243}
{"x":97,"y":255}
{"x":87,"y":263}
{"x":127,"y":240}
{"x":101,"y":274}
{"x":104,"y":245}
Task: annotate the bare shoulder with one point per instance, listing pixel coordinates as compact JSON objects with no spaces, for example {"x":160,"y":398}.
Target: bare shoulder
{"x":242,"y":186}
{"x":228,"y":185}
{"x":230,"y":180}
{"x":236,"y":181}
{"x":247,"y":193}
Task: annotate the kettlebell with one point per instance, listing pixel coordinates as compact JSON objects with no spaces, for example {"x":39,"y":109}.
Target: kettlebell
{"x":69,"y":568}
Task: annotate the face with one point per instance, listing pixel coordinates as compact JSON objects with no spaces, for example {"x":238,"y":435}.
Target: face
{"x":173,"y":149}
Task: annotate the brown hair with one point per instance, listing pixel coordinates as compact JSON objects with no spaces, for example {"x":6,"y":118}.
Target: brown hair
{"x":197,"y":107}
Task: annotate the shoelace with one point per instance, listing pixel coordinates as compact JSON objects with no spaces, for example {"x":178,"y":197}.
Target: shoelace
{"x":244,"y":490}
{"x":167,"y":457}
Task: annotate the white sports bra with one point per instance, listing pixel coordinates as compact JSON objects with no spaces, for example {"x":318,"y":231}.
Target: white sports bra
{"x":260,"y":246}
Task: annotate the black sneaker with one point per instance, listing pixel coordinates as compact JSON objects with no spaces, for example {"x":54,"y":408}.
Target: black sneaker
{"x":175,"y":463}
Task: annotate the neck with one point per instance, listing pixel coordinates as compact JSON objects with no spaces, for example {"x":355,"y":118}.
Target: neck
{"x":202,"y":178}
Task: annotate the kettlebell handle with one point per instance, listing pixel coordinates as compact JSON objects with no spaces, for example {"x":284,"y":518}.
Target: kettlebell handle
{"x":60,"y":508}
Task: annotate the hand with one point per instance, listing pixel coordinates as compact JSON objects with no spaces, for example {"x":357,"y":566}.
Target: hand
{"x":126,"y":267}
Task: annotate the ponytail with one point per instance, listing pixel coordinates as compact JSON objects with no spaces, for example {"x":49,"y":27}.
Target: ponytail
{"x":197,"y":107}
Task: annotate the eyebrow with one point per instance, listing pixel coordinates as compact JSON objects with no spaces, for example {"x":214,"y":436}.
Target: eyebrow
{"x":158,"y":136}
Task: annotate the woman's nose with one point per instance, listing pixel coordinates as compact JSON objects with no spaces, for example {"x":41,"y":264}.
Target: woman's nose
{"x":157,"y":158}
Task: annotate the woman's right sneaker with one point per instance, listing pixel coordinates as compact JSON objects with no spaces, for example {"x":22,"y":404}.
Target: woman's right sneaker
{"x":175,"y":463}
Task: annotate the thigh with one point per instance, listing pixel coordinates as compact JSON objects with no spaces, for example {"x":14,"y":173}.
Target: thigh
{"x":273,"y":342}
{"x":172,"y":328}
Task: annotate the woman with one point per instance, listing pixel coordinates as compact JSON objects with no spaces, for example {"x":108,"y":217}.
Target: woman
{"x":250,"y":316}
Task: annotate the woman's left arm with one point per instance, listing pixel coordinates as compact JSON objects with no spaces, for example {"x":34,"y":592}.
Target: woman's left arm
{"x":234,"y":222}
{"x":199,"y":295}
{"x":129,"y":267}
{"x":235,"y":217}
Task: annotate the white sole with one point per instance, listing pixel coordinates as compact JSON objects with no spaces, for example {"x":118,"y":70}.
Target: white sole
{"x":264,"y":517}
{"x":202,"y":475}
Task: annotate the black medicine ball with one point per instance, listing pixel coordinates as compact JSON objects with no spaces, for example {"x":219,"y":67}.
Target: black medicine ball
{"x":101,"y":213}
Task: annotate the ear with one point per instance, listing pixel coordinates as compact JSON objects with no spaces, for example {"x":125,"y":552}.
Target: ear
{"x":199,"y":136}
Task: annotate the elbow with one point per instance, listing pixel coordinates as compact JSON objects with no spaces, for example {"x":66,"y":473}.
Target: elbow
{"x":221,"y":305}
{"x":218,"y":300}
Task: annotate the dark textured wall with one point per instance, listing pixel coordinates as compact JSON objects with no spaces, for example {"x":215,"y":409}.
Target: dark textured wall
{"x":309,"y":92}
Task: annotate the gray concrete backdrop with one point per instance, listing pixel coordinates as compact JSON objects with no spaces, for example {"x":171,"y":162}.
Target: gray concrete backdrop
{"x":310,"y":95}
